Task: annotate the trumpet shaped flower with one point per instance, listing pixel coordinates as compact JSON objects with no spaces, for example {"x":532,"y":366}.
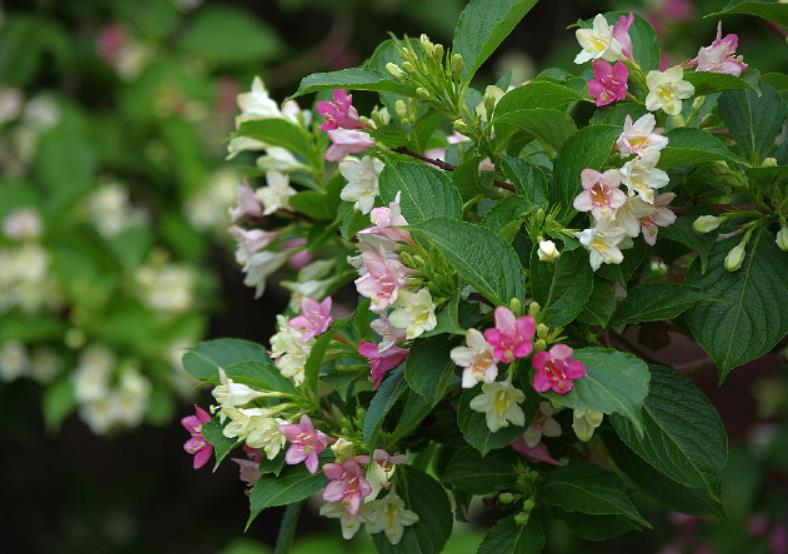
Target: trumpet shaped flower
{"x":500,"y":404}
{"x":601,"y":194}
{"x":315,"y":318}
{"x":511,"y":337}
{"x":339,"y":113}
{"x":720,"y":55}
{"x":609,"y":83}
{"x":598,"y":42}
{"x":347,"y":485}
{"x":306,"y":443}
{"x":640,"y":137}
{"x":666,"y":90}
{"x":556,"y":369}
{"x":197,"y":445}
{"x":476,"y":359}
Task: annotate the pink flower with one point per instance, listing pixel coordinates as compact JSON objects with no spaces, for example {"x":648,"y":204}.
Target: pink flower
{"x":556,"y":369}
{"x":306,"y":443}
{"x":601,"y":195}
{"x":778,"y":539}
{"x":382,"y":276}
{"x":678,"y":10}
{"x":110,"y":43}
{"x":339,"y":113}
{"x":197,"y":445}
{"x":538,"y":453}
{"x":720,"y":56}
{"x":381,"y":362}
{"x":300,"y":258}
{"x":621,"y":34}
{"x":609,"y":83}
{"x":249,"y":467}
{"x":248,"y":204}
{"x":347,"y":485}
{"x":389,"y":334}
{"x":662,"y":217}
{"x":510,"y":338}
{"x":347,"y":141}
{"x":388,"y":461}
{"x":386,"y":220}
{"x":315,"y":318}
{"x":250,"y":242}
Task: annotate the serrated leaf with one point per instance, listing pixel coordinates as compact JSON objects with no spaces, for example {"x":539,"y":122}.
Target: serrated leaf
{"x":537,"y":94}
{"x":655,"y":302}
{"x":528,"y":180}
{"x":706,"y":82}
{"x":428,"y":369}
{"x":507,"y":537}
{"x":425,"y":192}
{"x":506,"y":217}
{"x":213,"y":435}
{"x":615,"y":383}
{"x":754,"y":118}
{"x":570,"y":289}
{"x":682,"y":232}
{"x":693,"y":146}
{"x":354,"y":78}
{"x":473,"y":426}
{"x":390,"y":391}
{"x":767,"y":9}
{"x":552,"y":127}
{"x":749,"y":314}
{"x":682,"y":437}
{"x":600,"y":305}
{"x":468,"y":471}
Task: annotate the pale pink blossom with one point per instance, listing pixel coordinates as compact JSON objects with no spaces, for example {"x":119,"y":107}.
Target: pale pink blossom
{"x":111,"y":40}
{"x":609,"y":83}
{"x":438,"y":153}
{"x":347,"y":141}
{"x":662,"y":217}
{"x":640,"y":136}
{"x":390,"y":335}
{"x":511,"y":337}
{"x":306,"y":443}
{"x":315,"y":318}
{"x":556,"y":369}
{"x":249,"y":467}
{"x":197,"y":445}
{"x":381,"y":362}
{"x":621,"y":34}
{"x":347,"y":485}
{"x":388,"y":461}
{"x":300,"y":257}
{"x":538,"y":453}
{"x":248,"y":204}
{"x":250,"y":242}
{"x":601,"y":194}
{"x":382,"y":277}
{"x":386,"y":221}
{"x":720,"y":56}
{"x":339,"y":113}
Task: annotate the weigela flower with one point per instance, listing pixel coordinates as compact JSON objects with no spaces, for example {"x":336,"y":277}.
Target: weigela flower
{"x":388,"y":514}
{"x":602,"y":241}
{"x":706,"y":223}
{"x":598,"y":42}
{"x":661,"y":217}
{"x":735,"y":257}
{"x":542,"y":425}
{"x":349,"y":523}
{"x":14,"y":361}
{"x":347,"y":485}
{"x":22,"y":224}
{"x":197,"y":445}
{"x":256,"y":428}
{"x":390,"y":335}
{"x":640,"y":136}
{"x":621,"y":34}
{"x":584,"y":422}
{"x":91,"y":378}
{"x":382,"y":275}
{"x":385,"y":221}
{"x":290,"y":351}
{"x":556,"y":369}
{"x":274,"y":196}
{"x":609,"y":83}
{"x":782,"y":239}
{"x":547,"y":252}
{"x":381,"y":361}
{"x":248,"y":204}
{"x":230,"y":394}
{"x":414,"y":312}
{"x":511,"y":337}
{"x":719,"y":57}
{"x":362,"y":181}
{"x":260,"y":266}
{"x":315,"y":318}
{"x":243,"y":144}
{"x":630,"y":214}
{"x":666,"y":90}
{"x":538,"y":453}
{"x":280,"y":159}
{"x":249,"y":467}
{"x":345,"y":142}
{"x":256,"y":104}
{"x":476,"y":359}
{"x":306,"y":443}
{"x":500,"y":404}
{"x":601,"y":194}
{"x":381,"y":471}
{"x":642,"y":177}
{"x":249,"y":242}
{"x":339,"y":113}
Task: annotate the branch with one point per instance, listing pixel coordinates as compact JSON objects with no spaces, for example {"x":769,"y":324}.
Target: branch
{"x":440,"y":164}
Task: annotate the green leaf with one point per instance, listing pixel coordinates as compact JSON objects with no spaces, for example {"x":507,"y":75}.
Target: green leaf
{"x":354,"y":78}
{"x":482,"y":258}
{"x":424,"y":495}
{"x":278,"y":132}
{"x":468,"y":471}
{"x":615,"y":383}
{"x":689,"y":146}
{"x":682,"y":232}
{"x":655,"y":302}
{"x":212,"y":433}
{"x":767,"y":9}
{"x":528,"y":180}
{"x":596,"y":528}
{"x":293,"y":484}
{"x":683,"y":436}
{"x":473,"y":426}
{"x":706,"y":82}
{"x":287,"y":529}
{"x":506,"y":217}
{"x":537,"y":94}
{"x":506,"y":536}
{"x":425,"y":192}
{"x":482,"y":27}
{"x":588,"y":489}
{"x":754,"y":119}
{"x":588,"y":148}
{"x":600,"y":305}
{"x":749,"y":314}
{"x":313,"y":204}
{"x":570,"y":289}
{"x":552,"y":127}
{"x":428,"y":369}
{"x":64,"y":166}
{"x":57,"y":402}
{"x":390,"y":391}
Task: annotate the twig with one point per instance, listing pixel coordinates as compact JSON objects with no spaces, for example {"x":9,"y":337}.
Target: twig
{"x":644,"y":353}
{"x":440,"y":164}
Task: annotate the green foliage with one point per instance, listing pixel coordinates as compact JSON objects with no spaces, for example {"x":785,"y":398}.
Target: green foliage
{"x":509,"y":536}
{"x":754,"y":118}
{"x":425,"y":192}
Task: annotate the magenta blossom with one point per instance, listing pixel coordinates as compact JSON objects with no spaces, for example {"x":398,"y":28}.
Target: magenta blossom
{"x":306,"y":443}
{"x":381,"y":362}
{"x":601,"y":194}
{"x":197,"y":445}
{"x":347,"y":141}
{"x":609,"y":83}
{"x":383,"y":275}
{"x":720,"y":56}
{"x":538,"y":453}
{"x":315,"y":318}
{"x":510,"y":338}
{"x":347,"y":485}
{"x":339,"y":113}
{"x":556,"y":369}
{"x":621,"y":34}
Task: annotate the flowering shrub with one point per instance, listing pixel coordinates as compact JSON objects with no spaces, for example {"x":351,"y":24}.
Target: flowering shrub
{"x":502,"y":245}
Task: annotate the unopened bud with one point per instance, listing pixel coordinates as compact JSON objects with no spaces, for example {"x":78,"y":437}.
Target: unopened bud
{"x":769,"y":162}
{"x":782,"y":239}
{"x":735,"y":257}
{"x":534,"y":308}
{"x":342,"y":449}
{"x":437,"y":52}
{"x":506,"y":498}
{"x":516,"y":306}
{"x":401,"y":108}
{"x":460,"y":126}
{"x":75,"y":338}
{"x":547,"y":251}
{"x":542,"y":331}
{"x":426,"y":44}
{"x":407,"y":67}
{"x":529,"y":505}
{"x":540,"y":345}
{"x":457,"y":63}
{"x":521,"y":518}
{"x":423,"y":94}
{"x":539,"y":216}
{"x":706,"y":223}
{"x":395,"y":70}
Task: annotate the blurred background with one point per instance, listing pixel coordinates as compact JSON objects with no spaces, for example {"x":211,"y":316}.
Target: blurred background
{"x":114,"y":257}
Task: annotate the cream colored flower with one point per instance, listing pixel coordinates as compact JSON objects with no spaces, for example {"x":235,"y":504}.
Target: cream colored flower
{"x":274,"y":196}
{"x":642,"y":177}
{"x":476,"y":359}
{"x":414,"y":312}
{"x":500,"y":403}
{"x":232,"y":395}
{"x":290,"y":351}
{"x":388,"y":514}
{"x":362,"y":181}
{"x":598,"y":42}
{"x":584,"y":422}
{"x":666,"y":90}
{"x":603,"y":242}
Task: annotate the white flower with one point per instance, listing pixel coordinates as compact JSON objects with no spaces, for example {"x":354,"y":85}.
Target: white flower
{"x":547,"y":251}
{"x":349,"y":523}
{"x":98,"y":414}
{"x":362,"y":181}
{"x":209,"y":208}
{"x":13,"y":360}
{"x":290,"y":351}
{"x":168,"y":288}
{"x":280,"y":159}
{"x":260,"y":266}
{"x":111,"y":212}
{"x":22,"y":224}
{"x":45,"y":364}
{"x":628,"y":216}
{"x":414,"y":312}
{"x":598,"y":42}
{"x":42,"y":113}
{"x":492,"y":95}
{"x":11,"y":101}
{"x":256,"y":428}
{"x":542,"y":425}
{"x":640,"y":136}
{"x":584,"y":422}
{"x":91,"y":378}
{"x":389,"y":334}
{"x":232,"y":395}
{"x":603,"y":243}
{"x":666,"y":90}
{"x":642,"y":177}
{"x":476,"y":359}
{"x":499,"y":402}
{"x":388,"y":514}
{"x":242,"y":144}
{"x":130,"y":400}
{"x":292,"y":111}
{"x":257,"y":104}
{"x":274,"y":196}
